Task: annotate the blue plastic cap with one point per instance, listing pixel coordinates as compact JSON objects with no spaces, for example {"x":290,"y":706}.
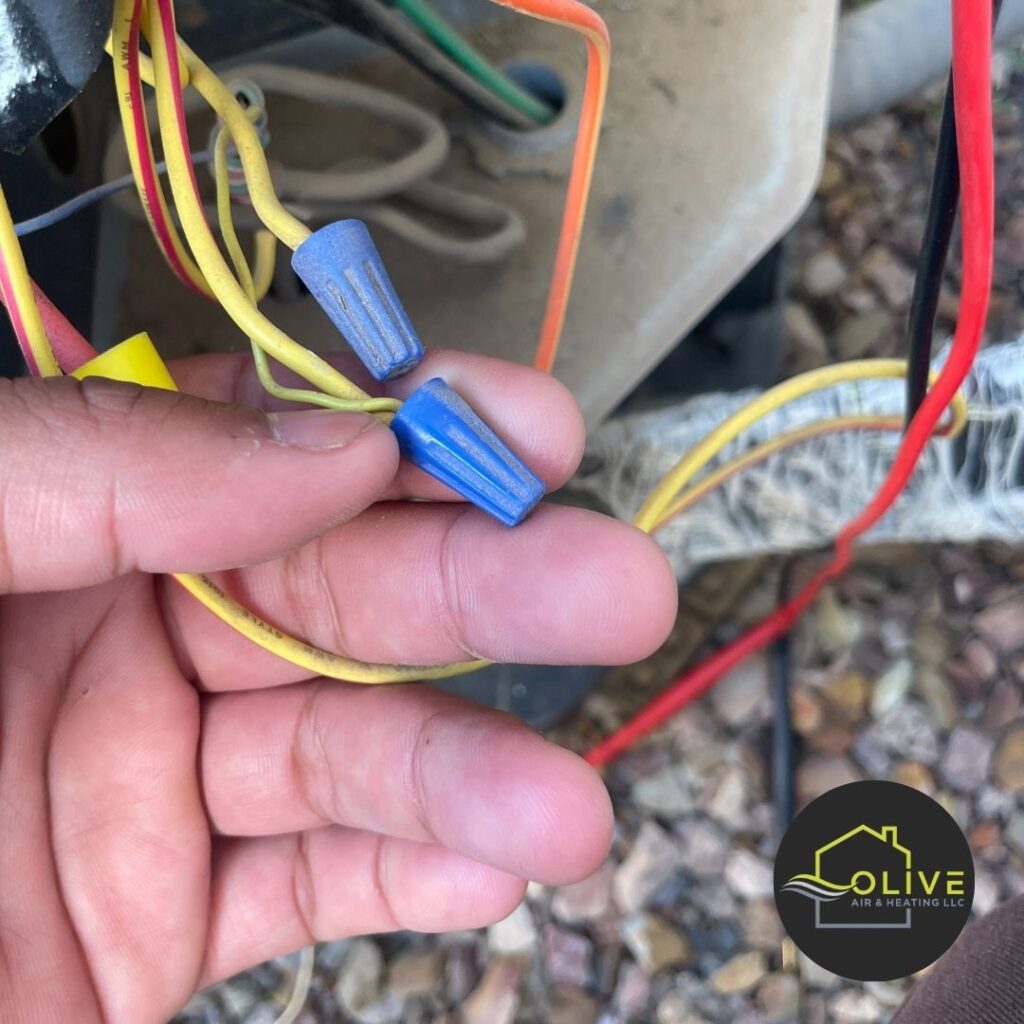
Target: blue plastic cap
{"x":341,"y":267}
{"x":441,"y":434}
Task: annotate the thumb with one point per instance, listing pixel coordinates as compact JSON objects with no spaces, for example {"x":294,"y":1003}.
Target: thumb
{"x":101,"y":478}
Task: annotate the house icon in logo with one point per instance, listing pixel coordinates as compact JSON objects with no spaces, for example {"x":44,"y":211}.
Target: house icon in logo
{"x":857,"y":881}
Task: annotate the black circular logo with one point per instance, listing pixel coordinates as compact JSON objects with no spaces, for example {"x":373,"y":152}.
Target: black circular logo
{"x":874,"y":881}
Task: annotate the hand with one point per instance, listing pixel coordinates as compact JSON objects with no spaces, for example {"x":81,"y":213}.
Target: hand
{"x":177,"y":804}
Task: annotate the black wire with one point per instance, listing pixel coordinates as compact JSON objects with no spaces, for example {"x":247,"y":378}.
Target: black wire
{"x":377,"y":21}
{"x":783,"y":739}
{"x":943,"y":200}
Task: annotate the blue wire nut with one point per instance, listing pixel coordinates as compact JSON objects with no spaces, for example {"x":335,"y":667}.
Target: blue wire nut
{"x":343,"y":270}
{"x":441,"y":434}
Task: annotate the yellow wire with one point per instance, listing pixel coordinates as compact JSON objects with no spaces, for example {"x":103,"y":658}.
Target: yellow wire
{"x":22,"y":303}
{"x":660,"y":500}
{"x":268,"y":207}
{"x":117,"y":44}
{"x":386,"y":406}
{"x":714,"y":479}
{"x":218,"y":273}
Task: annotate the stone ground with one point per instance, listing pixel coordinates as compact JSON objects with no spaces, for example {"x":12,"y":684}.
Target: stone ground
{"x":911,"y":668}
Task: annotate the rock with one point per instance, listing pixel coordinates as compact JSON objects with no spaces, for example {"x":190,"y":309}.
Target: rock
{"x":1009,"y":764}
{"x":957,"y":807}
{"x":703,"y":845}
{"x":360,"y":976}
{"x":665,"y":793}
{"x":824,"y":274}
{"x":871,"y":755}
{"x":986,"y":892}
{"x":815,"y":976}
{"x":1003,"y":624}
{"x":979,"y":656}
{"x":807,"y":348}
{"x":742,"y":695}
{"x":862,"y":334}
{"x":570,"y":1005}
{"x":909,"y":732}
{"x":496,"y":999}
{"x":714,"y":898}
{"x":892,"y":278}
{"x":818,"y":774}
{"x":762,"y":928}
{"x":993,"y":802}
{"x":1014,"y":831}
{"x":808,"y":713}
{"x":915,"y":775}
{"x":966,"y":760}
{"x":779,"y":998}
{"x":462,"y":971}
{"x":654,"y":943}
{"x":835,"y":628}
{"x":892,"y":687}
{"x":568,"y":956}
{"x":239,"y":996}
{"x":265,"y":1013}
{"x":935,"y":688}
{"x":748,"y":875}
{"x":833,"y":176}
{"x":848,"y":693}
{"x":740,"y":974}
{"x":632,"y":993}
{"x":589,"y":900}
{"x":676,"y":1008}
{"x":515,"y":935}
{"x":416,"y":973}
{"x":984,"y":836}
{"x":728,"y":800}
{"x":654,"y":859}
{"x":1003,"y":707}
{"x":888,"y":993}
{"x":856,"y":1007}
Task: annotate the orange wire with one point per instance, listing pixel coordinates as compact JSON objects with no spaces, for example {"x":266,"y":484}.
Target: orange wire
{"x":575,"y":15}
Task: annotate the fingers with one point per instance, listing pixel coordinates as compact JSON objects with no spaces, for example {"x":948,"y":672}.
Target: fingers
{"x":100,"y":478}
{"x":271,"y":896}
{"x":427,"y":585}
{"x":406,"y":762}
{"x":535,"y":414}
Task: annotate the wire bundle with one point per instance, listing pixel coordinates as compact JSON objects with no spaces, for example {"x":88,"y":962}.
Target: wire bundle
{"x":203,"y":267}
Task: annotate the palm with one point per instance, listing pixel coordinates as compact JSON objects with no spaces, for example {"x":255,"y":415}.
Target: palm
{"x":176,"y":804}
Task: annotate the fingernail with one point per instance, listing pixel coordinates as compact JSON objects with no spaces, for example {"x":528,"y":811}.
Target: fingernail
{"x":320,"y":430}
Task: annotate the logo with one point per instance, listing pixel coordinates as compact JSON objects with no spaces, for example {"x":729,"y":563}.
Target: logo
{"x":874,"y":881}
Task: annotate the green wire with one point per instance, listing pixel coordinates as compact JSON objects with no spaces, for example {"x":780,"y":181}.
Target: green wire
{"x":470,"y":59}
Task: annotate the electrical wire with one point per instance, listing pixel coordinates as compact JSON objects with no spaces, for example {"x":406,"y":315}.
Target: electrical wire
{"x":69,"y":347}
{"x":86,"y":199}
{"x":374,"y":19}
{"x":266,"y":251}
{"x":943,"y":200}
{"x":972,"y":46}
{"x":450,"y":41}
{"x":123,"y":46}
{"x":580,"y":18}
{"x":218,"y":273}
{"x":19,"y":298}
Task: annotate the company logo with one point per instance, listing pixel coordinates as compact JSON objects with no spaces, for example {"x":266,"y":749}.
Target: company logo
{"x":874,"y":881}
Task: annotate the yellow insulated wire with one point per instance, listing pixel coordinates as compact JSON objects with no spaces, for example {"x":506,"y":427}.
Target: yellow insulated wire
{"x":21,"y":299}
{"x":266,"y":249}
{"x":118,"y":44}
{"x":306,"y":364}
{"x":659,"y":502}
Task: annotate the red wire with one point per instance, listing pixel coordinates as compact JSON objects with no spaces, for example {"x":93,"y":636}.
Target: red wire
{"x":972,"y":23}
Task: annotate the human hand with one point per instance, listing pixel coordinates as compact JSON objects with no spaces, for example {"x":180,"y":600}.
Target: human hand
{"x":177,"y":804}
